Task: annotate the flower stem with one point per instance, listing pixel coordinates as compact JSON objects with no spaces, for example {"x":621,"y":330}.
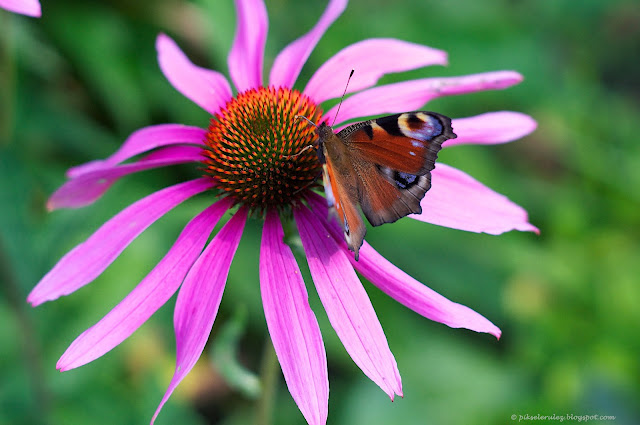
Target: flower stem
{"x":7,"y":78}
{"x":269,"y":378}
{"x":28,"y":345}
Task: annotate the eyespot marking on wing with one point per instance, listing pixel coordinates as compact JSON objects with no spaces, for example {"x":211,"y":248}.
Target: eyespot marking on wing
{"x":405,"y":180}
{"x":398,"y":178}
{"x":419,"y":126}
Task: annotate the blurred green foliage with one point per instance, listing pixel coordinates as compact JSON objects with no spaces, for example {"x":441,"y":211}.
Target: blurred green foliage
{"x":75,"y":83}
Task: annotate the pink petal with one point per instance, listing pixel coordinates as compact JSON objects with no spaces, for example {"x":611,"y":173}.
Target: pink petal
{"x":247,"y":53}
{"x":347,"y":304}
{"x":370,"y":59}
{"x":287,"y":66}
{"x":459,"y":201}
{"x":491,"y":128}
{"x":142,"y":141}
{"x":415,"y":295}
{"x":413,"y":95}
{"x":87,"y":260}
{"x":150,"y":294}
{"x":25,"y":7}
{"x":402,"y":287}
{"x":206,"y":88}
{"x":91,"y":185}
{"x":199,"y":299}
{"x":292,"y":325}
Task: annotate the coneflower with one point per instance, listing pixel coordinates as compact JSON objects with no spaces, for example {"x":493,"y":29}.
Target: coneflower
{"x":247,"y":157}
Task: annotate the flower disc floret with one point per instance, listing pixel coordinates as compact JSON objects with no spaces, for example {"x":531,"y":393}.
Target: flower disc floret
{"x":253,"y":147}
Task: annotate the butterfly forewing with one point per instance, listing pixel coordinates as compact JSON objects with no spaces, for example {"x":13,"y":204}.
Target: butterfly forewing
{"x":383,"y":164}
{"x":407,"y":142}
{"x":394,"y":156}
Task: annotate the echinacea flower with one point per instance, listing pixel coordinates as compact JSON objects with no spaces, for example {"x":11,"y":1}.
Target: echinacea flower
{"x":24,"y":7}
{"x":249,"y":162}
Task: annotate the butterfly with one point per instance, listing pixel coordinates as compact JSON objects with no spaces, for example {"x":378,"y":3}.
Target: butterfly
{"x":382,"y":165}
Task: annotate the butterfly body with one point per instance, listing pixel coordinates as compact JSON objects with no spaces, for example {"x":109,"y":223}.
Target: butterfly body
{"x":383,"y":165}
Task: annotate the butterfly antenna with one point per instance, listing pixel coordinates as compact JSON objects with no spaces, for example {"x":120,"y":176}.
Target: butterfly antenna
{"x":342,"y":98}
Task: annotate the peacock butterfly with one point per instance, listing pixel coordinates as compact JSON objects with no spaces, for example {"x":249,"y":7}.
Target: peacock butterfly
{"x":383,"y":165}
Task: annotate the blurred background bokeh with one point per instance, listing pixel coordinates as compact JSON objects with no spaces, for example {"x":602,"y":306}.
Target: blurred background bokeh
{"x":75,"y":83}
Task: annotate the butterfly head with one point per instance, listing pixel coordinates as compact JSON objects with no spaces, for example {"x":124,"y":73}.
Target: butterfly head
{"x":324,"y":133}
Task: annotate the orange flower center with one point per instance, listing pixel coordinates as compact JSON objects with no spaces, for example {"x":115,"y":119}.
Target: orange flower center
{"x":253,"y":147}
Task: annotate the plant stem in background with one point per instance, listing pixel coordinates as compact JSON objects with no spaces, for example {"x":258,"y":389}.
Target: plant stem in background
{"x":269,"y":381}
{"x":28,"y":343}
{"x":7,"y":78}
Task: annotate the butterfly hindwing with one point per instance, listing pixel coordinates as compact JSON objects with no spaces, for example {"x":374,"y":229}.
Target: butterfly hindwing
{"x":386,"y":195}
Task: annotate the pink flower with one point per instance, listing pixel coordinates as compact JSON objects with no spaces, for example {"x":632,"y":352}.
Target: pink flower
{"x":25,"y":7}
{"x":247,"y":152}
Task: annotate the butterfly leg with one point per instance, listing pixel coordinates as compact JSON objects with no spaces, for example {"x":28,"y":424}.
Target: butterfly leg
{"x":306,"y":148}
{"x":302,"y":117}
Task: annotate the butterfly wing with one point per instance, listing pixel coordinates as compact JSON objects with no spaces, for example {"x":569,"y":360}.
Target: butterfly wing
{"x":393,"y":157}
{"x":341,"y":190}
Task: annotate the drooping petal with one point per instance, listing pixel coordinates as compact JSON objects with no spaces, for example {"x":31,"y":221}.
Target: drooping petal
{"x":370,"y":59}
{"x":402,"y":287}
{"x":347,"y":304}
{"x":24,"y":7}
{"x":412,"y":95}
{"x":459,"y":201}
{"x":90,"y":258}
{"x":418,"y":297}
{"x":144,"y":140}
{"x":491,"y":128}
{"x":247,"y":53}
{"x":199,"y":299}
{"x":150,"y":294}
{"x":289,"y":62}
{"x":206,"y":88}
{"x":292,"y":325}
{"x":88,"y":187}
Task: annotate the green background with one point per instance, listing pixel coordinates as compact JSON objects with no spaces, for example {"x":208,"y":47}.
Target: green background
{"x":75,"y":83}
